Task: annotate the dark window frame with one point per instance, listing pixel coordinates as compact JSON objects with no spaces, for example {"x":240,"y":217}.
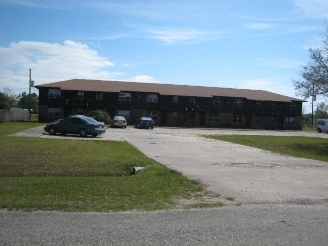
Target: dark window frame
{"x":54,"y":93}
{"x":124,"y":96}
{"x":192,"y":101}
{"x":213,"y":117}
{"x":216,"y":101}
{"x":237,"y":118}
{"x":238,"y":102}
{"x":152,"y":114}
{"x":152,"y":98}
{"x":258,"y":104}
{"x":99,"y":96}
{"x":80,"y":95}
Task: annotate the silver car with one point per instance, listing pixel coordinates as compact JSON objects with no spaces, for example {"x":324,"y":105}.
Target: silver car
{"x":119,"y":121}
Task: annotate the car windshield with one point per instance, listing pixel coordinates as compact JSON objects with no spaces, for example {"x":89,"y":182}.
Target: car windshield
{"x":147,"y":119}
{"x":119,"y":118}
{"x":58,"y":120}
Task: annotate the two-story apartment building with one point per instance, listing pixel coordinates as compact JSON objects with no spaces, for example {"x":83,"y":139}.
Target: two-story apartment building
{"x":171,"y":105}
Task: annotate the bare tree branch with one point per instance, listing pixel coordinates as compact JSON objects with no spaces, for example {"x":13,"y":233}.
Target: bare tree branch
{"x":315,"y":74}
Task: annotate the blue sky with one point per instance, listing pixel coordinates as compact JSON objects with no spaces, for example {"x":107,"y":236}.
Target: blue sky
{"x":252,"y":44}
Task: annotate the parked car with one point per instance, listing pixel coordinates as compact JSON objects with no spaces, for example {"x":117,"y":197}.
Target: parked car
{"x":76,"y":124}
{"x":145,"y":122}
{"x":119,"y":121}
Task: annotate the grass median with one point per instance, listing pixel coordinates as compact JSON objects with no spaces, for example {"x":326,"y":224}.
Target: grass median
{"x":70,"y":175}
{"x":306,"y":147}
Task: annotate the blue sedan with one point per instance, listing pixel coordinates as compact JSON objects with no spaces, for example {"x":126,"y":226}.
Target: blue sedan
{"x":76,"y":124}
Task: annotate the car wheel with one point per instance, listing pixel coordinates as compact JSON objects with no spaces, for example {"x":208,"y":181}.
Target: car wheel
{"x":151,"y":127}
{"x":83,"y":133}
{"x":319,"y":130}
{"x":52,"y":131}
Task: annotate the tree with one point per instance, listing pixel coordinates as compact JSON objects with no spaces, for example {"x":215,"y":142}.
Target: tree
{"x":322,"y":111}
{"x":24,"y":101}
{"x":7,"y":99}
{"x":315,"y":74}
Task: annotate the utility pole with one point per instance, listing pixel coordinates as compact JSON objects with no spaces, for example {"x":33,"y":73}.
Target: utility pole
{"x":314,"y":98}
{"x":31,"y":84}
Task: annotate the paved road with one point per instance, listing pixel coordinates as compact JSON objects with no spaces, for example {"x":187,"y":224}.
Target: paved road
{"x":231,"y":225}
{"x":284,"y":199}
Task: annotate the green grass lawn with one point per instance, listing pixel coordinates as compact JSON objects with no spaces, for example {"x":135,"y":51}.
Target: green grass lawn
{"x":309,"y":129}
{"x":307,"y":147}
{"x":70,"y":175}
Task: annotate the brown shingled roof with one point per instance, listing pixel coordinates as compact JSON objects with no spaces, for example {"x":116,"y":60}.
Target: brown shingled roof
{"x":166,"y":89}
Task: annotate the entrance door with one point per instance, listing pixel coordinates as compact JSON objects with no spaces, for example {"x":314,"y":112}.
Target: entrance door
{"x":202,"y":118}
{"x":163,"y":118}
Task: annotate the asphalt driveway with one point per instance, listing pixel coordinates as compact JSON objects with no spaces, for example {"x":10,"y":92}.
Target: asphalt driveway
{"x":247,"y":174}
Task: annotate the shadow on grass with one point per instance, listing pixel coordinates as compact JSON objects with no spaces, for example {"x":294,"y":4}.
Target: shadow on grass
{"x":319,"y":149}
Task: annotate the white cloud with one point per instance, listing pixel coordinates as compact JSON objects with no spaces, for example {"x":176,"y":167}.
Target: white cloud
{"x":144,"y":79}
{"x":266,"y":84}
{"x":170,"y":36}
{"x":257,"y":26}
{"x":50,"y":62}
{"x":314,"y":8}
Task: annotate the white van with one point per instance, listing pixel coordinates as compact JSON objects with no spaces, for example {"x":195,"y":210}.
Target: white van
{"x":322,"y":125}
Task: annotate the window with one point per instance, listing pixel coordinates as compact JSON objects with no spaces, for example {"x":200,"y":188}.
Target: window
{"x":216,"y":101}
{"x":238,"y":102}
{"x":258,"y":104}
{"x":192,"y":101}
{"x":54,"y":112}
{"x":237,"y":118}
{"x":175,"y":99}
{"x":213,"y":117}
{"x":290,"y":120}
{"x":152,"y":114}
{"x":125,"y":113}
{"x":292,"y":106}
{"x":80,"y":95}
{"x":54,"y":93}
{"x":99,"y":96}
{"x":77,"y":121}
{"x":152,"y":98}
{"x":321,"y":122}
{"x":124,"y":97}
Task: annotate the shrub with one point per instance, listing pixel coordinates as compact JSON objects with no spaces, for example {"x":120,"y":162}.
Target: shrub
{"x":101,"y":116}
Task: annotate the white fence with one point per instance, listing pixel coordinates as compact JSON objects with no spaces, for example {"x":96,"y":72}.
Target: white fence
{"x":14,"y":114}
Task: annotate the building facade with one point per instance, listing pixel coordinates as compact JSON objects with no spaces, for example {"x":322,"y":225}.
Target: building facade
{"x":171,"y":105}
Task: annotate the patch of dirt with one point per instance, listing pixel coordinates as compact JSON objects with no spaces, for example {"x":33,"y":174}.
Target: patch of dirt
{"x":207,"y":200}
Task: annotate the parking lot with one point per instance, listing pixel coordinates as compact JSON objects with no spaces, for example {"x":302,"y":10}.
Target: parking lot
{"x":247,"y":174}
